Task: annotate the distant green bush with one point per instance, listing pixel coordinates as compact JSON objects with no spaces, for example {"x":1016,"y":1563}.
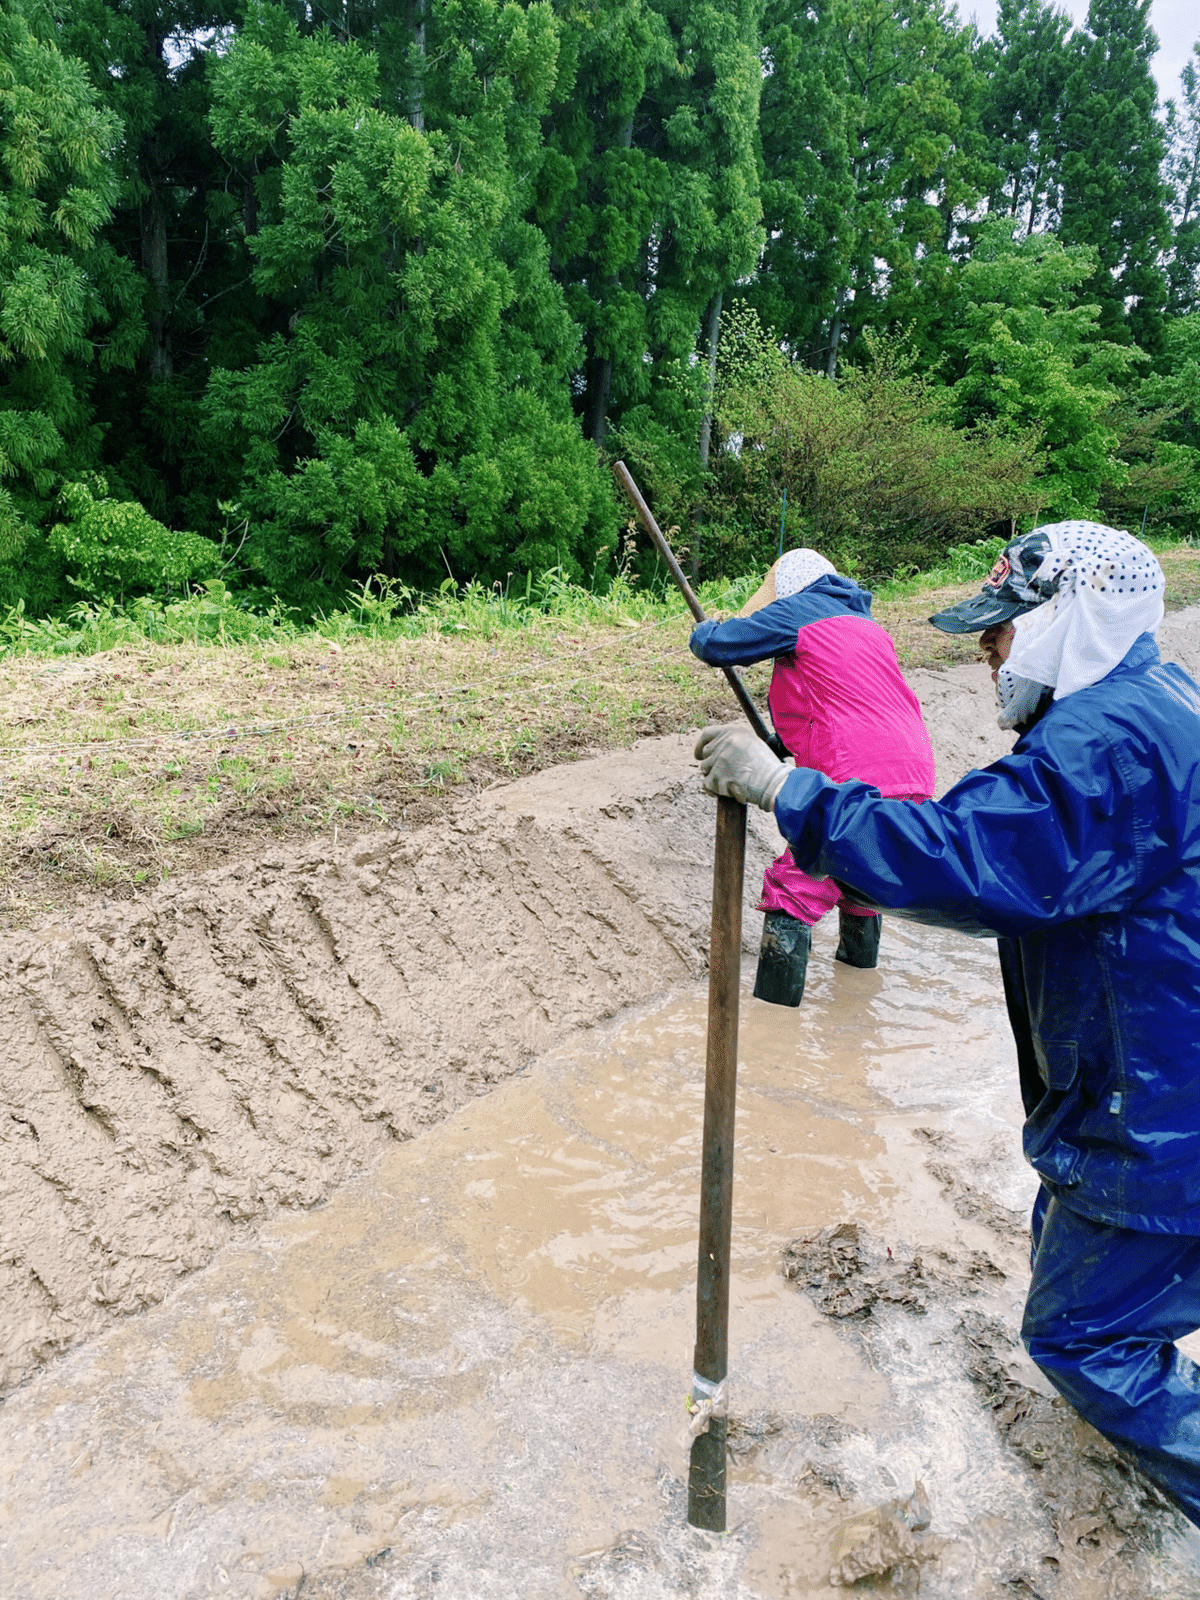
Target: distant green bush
{"x":114,"y":548}
{"x":877,"y":477}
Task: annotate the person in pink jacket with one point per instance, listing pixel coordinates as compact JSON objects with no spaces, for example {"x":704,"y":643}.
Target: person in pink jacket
{"x":840,"y":704}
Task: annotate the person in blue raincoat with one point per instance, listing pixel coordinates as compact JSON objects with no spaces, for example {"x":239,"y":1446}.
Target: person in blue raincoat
{"x":1080,"y":851}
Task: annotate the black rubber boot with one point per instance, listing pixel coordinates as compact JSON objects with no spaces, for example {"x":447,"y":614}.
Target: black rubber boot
{"x":782,"y":959}
{"x":858,"y":942}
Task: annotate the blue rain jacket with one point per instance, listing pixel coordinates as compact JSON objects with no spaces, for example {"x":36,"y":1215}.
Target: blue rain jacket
{"x":1081,"y":852}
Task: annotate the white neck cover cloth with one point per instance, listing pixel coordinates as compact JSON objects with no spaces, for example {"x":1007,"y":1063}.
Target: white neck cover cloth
{"x":1108,"y":590}
{"x":799,"y":568}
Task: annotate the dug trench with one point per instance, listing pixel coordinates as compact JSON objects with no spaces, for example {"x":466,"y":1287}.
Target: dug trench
{"x":445,"y":1212}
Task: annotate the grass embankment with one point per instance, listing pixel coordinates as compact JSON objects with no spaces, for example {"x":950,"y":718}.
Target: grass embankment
{"x":145,"y":761}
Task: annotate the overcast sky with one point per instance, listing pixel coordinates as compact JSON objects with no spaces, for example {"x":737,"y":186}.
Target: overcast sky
{"x":1176,"y":22}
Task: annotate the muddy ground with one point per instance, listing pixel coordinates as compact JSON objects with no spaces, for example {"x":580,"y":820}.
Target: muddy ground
{"x":293,"y":1057}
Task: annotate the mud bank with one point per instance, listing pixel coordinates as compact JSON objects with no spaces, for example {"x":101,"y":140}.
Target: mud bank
{"x":174,"y":1071}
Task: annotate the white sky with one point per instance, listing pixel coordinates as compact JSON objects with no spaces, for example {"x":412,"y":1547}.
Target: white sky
{"x":1176,"y":22}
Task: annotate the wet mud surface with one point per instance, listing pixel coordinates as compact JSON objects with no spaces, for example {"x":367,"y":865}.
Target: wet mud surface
{"x":464,"y":1374}
{"x":174,"y":1072}
{"x":413,"y":1249}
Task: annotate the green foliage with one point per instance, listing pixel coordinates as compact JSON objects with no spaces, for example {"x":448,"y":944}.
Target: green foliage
{"x":378,"y":608}
{"x":66,"y":299}
{"x":388,"y":280}
{"x":875,"y":120}
{"x":1113,"y":194}
{"x":876,"y":477}
{"x":1178,"y":388}
{"x":1027,"y":66}
{"x":1161,"y":438}
{"x":116,"y":548}
{"x":1034,"y":366}
{"x":809,"y":191}
{"x":421,"y":299}
{"x":649,"y":192}
{"x":1183,"y":176}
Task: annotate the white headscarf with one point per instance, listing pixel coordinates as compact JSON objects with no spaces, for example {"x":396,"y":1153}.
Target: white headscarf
{"x":1109,"y":591}
{"x":797,"y":569}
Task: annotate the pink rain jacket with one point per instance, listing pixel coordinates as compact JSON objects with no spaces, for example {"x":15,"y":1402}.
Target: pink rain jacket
{"x":839,"y":702}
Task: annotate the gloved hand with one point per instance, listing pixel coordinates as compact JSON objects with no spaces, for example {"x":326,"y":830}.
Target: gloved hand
{"x":736,"y":763}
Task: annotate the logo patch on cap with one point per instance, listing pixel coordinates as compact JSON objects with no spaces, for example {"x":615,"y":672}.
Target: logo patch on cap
{"x":999,"y":572}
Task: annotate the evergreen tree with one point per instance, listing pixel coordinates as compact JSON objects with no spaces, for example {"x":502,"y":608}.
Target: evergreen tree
{"x":411,"y":408}
{"x":1183,"y":173}
{"x":808,"y":185}
{"x":1027,"y":65}
{"x":1113,"y":196}
{"x":181,"y":223}
{"x":69,"y":306}
{"x":649,"y":192}
{"x":904,"y":78}
{"x":601,"y":196}
{"x":1033,"y":362}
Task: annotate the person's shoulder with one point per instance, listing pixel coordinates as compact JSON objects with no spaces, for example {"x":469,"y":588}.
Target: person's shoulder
{"x":1145,"y":689}
{"x":1148,"y":709}
{"x":1177,"y":687}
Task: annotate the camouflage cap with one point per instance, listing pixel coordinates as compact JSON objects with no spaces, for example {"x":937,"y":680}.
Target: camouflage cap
{"x":1012,"y":587}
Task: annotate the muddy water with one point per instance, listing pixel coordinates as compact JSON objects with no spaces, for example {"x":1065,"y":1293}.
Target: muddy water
{"x":463,"y":1375}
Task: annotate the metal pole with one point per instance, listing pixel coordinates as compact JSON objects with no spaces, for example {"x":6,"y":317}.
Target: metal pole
{"x":706,"y":1474}
{"x":646,"y":517}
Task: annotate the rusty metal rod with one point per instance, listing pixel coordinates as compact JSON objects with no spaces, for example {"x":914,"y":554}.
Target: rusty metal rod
{"x":646,"y":517}
{"x":706,"y":1473}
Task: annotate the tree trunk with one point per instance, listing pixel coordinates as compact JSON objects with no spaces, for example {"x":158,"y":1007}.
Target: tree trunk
{"x":1035,"y":199}
{"x":835,"y":334}
{"x":712,"y":338}
{"x":152,"y":225}
{"x":600,"y":371}
{"x":600,"y":368}
{"x":416,"y":92}
{"x":152,"y":218}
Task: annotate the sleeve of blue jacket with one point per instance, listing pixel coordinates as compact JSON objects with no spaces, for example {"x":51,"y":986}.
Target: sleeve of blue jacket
{"x":742,"y":640}
{"x":1038,"y":838}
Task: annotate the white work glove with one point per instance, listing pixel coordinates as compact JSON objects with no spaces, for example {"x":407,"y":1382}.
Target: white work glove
{"x":736,"y":763}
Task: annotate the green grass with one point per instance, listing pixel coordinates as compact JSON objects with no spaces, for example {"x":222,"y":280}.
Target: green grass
{"x":132,"y":749}
{"x":381,"y":609}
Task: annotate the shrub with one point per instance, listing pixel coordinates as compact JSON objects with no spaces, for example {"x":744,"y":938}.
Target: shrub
{"x":115,"y":548}
{"x":876,"y":476}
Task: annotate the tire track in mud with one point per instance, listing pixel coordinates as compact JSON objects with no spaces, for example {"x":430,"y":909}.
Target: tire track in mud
{"x":174,"y":1070}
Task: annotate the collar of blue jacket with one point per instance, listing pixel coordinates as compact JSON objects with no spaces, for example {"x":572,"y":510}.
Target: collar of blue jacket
{"x":837,"y":587}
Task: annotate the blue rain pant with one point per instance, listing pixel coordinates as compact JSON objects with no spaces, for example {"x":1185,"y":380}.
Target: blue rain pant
{"x":1104,"y":1310}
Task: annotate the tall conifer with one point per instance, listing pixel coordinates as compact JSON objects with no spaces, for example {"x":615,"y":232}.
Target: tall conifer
{"x":1183,"y":173}
{"x":1113,"y":196}
{"x":1027,"y":63}
{"x":649,"y":192}
{"x":896,"y":84}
